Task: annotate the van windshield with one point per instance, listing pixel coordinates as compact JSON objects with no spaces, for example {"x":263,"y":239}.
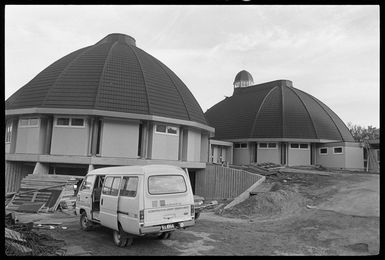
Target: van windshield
{"x":164,"y":184}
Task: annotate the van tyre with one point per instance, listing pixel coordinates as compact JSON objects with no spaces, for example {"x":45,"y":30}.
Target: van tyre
{"x":85,"y":224}
{"x":121,"y":238}
{"x":165,"y":235}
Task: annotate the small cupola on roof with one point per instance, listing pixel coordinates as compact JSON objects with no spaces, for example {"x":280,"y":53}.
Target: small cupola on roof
{"x":243,"y":79}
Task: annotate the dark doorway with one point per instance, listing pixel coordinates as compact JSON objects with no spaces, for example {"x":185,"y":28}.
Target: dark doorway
{"x":191,"y":175}
{"x":283,"y":153}
{"x":312,"y":158}
{"x":255,"y":152}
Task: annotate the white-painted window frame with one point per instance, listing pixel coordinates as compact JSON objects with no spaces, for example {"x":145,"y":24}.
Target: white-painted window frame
{"x":8,"y":132}
{"x":166,"y":131}
{"x":268,"y":145}
{"x":299,"y":146}
{"x":70,"y":122}
{"x":29,"y":122}
{"x":342,"y":150}
{"x":240,"y":145}
{"x":327,"y":151}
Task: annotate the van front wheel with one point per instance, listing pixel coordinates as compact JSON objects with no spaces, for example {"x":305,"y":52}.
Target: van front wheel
{"x":84,"y":222}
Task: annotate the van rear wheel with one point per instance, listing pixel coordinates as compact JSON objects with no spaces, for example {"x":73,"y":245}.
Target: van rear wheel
{"x":164,"y":235}
{"x":121,"y":238}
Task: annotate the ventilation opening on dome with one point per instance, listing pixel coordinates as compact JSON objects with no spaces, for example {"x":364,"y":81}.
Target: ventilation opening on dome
{"x":243,"y":79}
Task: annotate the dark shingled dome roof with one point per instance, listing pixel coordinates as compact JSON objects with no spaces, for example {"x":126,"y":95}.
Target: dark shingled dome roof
{"x":112,"y":75}
{"x":275,"y":110}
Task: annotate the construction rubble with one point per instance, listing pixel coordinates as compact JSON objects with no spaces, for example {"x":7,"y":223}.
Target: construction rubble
{"x":22,"y":239}
{"x":38,"y":194}
{"x":43,"y":193}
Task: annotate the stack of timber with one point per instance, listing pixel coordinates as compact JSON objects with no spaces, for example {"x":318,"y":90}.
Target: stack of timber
{"x":42,"y":193}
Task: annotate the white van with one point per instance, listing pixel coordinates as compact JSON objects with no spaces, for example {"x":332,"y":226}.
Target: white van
{"x":136,"y":200}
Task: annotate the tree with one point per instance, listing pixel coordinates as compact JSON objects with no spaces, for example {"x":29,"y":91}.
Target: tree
{"x":360,"y":133}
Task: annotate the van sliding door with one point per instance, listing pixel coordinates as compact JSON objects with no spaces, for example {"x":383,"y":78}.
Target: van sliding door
{"x":109,"y":202}
{"x":128,"y":209}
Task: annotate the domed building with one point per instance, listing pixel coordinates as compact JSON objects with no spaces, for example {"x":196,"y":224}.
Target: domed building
{"x":275,"y":122}
{"x":107,"y":104}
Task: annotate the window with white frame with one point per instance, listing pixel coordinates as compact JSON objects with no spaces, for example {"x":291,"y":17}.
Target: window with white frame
{"x":302,"y":146}
{"x":267,"y":145}
{"x":240,"y":145}
{"x":337,"y":150}
{"x":323,"y":151}
{"x":29,"y":122}
{"x":166,"y":129}
{"x":262,"y":145}
{"x":172,"y":130}
{"x":69,"y":122}
{"x":8,"y":132}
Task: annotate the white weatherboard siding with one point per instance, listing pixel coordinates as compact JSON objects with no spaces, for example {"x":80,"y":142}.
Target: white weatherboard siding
{"x":120,"y":139}
{"x":268,"y":155}
{"x":299,"y":157}
{"x":70,"y":140}
{"x":330,"y":159}
{"x":241,"y":156}
{"x":165,"y":146}
{"x":27,"y":140}
{"x":354,"y":157}
{"x":193,"y":145}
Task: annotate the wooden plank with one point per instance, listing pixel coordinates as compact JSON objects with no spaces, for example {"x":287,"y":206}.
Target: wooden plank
{"x":32,"y":207}
{"x":57,"y":203}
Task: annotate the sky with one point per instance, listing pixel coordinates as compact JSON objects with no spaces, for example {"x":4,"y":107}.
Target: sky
{"x":330,"y":52}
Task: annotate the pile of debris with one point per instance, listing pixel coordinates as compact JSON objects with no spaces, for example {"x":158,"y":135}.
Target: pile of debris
{"x":265,"y":169}
{"x":279,"y":201}
{"x":269,"y":166}
{"x":22,"y":240}
{"x":44,"y":193}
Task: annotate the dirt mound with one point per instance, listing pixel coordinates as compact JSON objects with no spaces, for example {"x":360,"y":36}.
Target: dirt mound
{"x":280,"y":201}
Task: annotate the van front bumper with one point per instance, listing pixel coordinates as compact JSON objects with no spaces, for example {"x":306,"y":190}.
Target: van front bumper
{"x":157,"y":229}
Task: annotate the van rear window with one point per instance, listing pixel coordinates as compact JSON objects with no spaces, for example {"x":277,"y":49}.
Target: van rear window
{"x":165,"y":184}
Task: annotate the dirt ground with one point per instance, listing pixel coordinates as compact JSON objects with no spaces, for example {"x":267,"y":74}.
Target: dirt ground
{"x":335,"y":214}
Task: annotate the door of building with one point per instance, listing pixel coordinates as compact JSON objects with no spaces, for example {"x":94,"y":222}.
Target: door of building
{"x":283,"y":153}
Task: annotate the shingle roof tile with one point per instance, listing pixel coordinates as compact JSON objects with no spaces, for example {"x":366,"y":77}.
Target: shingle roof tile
{"x":275,"y":110}
{"x":112,"y":75}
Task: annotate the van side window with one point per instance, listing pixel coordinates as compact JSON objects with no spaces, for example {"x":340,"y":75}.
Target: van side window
{"x":129,"y":186}
{"x":87,"y":183}
{"x":111,"y":186}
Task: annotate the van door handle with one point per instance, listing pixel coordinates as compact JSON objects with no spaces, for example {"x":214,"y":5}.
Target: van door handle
{"x":86,"y":197}
{"x":101,"y":202}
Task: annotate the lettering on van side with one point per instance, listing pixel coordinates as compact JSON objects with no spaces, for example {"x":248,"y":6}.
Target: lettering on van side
{"x":169,"y":209}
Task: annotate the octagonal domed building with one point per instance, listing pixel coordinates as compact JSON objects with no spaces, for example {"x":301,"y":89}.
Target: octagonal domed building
{"x":275,"y":122}
{"x":110,"y":103}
